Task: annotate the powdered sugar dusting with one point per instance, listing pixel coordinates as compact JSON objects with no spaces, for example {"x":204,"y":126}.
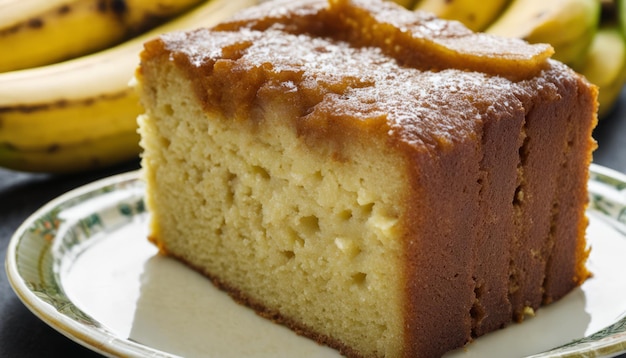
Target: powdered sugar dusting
{"x":421,"y":107}
{"x":335,"y":79}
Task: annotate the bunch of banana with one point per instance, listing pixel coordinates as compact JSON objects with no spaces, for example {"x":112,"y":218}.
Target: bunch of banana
{"x":81,"y":114}
{"x":585,"y":34}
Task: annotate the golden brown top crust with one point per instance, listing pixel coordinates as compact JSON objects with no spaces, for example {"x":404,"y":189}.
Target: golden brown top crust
{"x":333,"y":68}
{"x":416,"y":39}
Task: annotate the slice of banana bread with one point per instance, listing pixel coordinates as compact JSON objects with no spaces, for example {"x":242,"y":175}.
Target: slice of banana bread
{"x":382,"y":181}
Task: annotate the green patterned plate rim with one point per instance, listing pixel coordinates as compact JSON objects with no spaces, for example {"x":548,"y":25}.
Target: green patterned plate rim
{"x":46,"y":246}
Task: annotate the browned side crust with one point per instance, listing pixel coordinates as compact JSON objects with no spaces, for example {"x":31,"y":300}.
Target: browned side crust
{"x":564,"y":268}
{"x":560,"y":101}
{"x":439,"y":253}
{"x":495,"y":227}
{"x":539,"y":155}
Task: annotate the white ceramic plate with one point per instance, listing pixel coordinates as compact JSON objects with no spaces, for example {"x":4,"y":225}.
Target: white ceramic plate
{"x":83,"y":265}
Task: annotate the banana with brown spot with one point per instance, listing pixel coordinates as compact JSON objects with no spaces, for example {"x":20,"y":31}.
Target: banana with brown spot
{"x":81,"y":114}
{"x":40,"y":32}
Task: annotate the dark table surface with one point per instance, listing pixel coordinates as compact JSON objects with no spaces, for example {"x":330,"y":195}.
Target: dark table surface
{"x":24,"y":335}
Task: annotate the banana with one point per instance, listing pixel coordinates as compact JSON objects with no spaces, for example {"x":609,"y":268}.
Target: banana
{"x":568,"y":25}
{"x":66,"y":117}
{"x":75,"y":156}
{"x":605,"y":65}
{"x":41,"y":32}
{"x":475,"y":14}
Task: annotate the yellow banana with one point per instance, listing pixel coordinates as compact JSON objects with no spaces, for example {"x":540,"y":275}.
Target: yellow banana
{"x":40,"y":32}
{"x":51,"y":113}
{"x":605,"y":65}
{"x":568,"y":25}
{"x":475,"y":14}
{"x":75,"y":156}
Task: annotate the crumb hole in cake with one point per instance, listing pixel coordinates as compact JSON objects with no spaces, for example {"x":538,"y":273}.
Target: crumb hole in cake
{"x":524,"y":150}
{"x":481,"y":182}
{"x":359,"y":278}
{"x":260,"y":171}
{"x":318,"y":176}
{"x":168,"y":109}
{"x":294,"y":238}
{"x":477,"y":312}
{"x":518,"y":197}
{"x":288,"y":254}
{"x":345,"y":215}
{"x":165,"y":142}
{"x":230,"y":193}
{"x":554,"y":212}
{"x":513,"y":280}
{"x":366,"y":210}
{"x":310,"y":224}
